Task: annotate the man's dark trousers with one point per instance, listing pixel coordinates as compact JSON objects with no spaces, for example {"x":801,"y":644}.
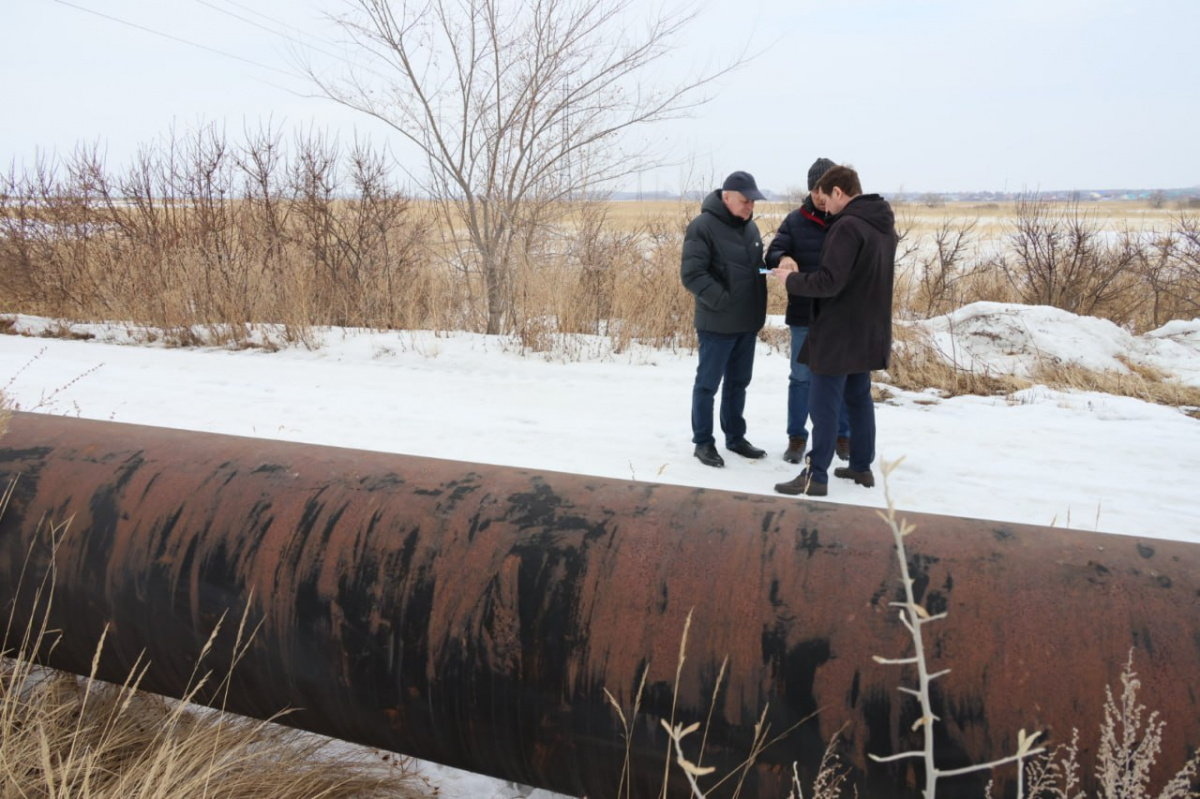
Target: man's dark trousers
{"x":727,"y":357}
{"x":824,"y":405}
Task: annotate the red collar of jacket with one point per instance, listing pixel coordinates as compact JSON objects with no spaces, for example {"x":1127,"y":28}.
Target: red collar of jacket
{"x":807,"y":214}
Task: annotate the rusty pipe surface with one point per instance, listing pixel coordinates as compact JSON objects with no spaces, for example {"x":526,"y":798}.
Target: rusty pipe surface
{"x":474,"y":615}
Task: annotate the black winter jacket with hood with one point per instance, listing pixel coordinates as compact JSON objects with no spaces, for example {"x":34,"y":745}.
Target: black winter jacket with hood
{"x":851,"y":328}
{"x":800,"y":236}
{"x":721,"y":258}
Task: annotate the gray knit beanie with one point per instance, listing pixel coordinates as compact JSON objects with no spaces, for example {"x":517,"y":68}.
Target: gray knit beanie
{"x":819,"y":168}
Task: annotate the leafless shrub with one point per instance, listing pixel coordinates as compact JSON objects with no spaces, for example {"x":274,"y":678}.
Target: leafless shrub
{"x":198,"y":233}
{"x":1063,"y":259}
{"x":365,"y":267}
{"x":1171,"y":269}
{"x":1154,"y":263}
{"x":941,"y":272}
{"x":908,"y":243}
{"x":908,"y":249}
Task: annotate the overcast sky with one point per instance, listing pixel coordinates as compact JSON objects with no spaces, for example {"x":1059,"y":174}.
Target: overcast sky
{"x":920,"y":95}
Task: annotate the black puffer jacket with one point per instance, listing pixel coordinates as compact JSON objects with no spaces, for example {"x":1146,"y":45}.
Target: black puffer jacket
{"x":851,"y":328}
{"x":721,"y":258}
{"x":800,"y":236}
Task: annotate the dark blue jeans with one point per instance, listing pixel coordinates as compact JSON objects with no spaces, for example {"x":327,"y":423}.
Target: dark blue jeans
{"x":826,"y":398}
{"x":728,"y":359}
{"x":798,"y":391}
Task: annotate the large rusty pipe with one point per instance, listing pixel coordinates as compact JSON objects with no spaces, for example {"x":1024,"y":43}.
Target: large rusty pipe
{"x":474,"y":615}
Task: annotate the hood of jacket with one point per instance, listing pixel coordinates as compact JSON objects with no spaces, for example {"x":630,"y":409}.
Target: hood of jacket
{"x":872,"y":209}
{"x":713,"y":204}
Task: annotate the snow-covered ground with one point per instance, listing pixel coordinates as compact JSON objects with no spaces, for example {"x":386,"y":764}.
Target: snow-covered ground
{"x":1082,"y":460}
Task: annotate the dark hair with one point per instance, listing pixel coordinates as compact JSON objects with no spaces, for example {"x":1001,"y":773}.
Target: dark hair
{"x":842,"y":177}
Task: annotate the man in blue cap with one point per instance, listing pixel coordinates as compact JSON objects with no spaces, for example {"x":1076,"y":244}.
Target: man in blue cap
{"x":722,"y":268}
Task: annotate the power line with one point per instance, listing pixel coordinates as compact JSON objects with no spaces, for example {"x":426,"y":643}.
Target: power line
{"x":274,"y":32}
{"x":268,"y":18}
{"x":281,"y":33}
{"x":177,"y":38}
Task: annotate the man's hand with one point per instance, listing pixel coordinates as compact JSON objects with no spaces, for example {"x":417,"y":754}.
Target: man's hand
{"x":787,"y":265}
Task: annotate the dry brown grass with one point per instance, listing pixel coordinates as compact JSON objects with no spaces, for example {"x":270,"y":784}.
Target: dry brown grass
{"x":209,"y":237}
{"x":213,"y":244}
{"x":1141,"y":382}
{"x":917,"y":365}
{"x":64,"y":736}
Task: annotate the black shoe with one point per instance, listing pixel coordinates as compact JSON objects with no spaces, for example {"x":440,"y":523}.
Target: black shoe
{"x":708,"y":455}
{"x":746,"y":449}
{"x":864,"y":479}
{"x":803,"y":485}
{"x":842,"y":448}
{"x":795,"y":450}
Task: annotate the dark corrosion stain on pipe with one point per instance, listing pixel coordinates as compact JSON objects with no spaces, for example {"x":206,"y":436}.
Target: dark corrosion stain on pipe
{"x":474,"y":615}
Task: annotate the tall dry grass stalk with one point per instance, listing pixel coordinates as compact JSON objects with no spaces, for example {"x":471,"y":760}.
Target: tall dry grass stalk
{"x":67,"y":736}
{"x":5,"y":412}
{"x":1130,"y":737}
{"x":833,"y":778}
{"x":914,"y":617}
{"x":676,"y":731}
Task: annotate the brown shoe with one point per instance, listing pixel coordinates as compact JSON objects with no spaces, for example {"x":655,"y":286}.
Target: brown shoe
{"x":795,"y":449}
{"x":842,"y":448}
{"x":803,"y":485}
{"x":865,"y":479}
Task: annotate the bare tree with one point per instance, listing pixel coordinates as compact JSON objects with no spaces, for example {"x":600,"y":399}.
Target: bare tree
{"x":515,"y":106}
